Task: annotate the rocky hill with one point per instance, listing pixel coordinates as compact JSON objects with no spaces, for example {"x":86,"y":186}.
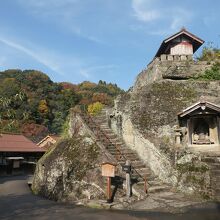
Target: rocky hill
{"x":147,"y":117}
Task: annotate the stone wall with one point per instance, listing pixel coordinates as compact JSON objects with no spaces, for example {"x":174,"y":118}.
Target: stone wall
{"x":150,"y":155}
{"x":171,"y":67}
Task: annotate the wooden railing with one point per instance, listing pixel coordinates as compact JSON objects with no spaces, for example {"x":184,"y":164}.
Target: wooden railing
{"x":96,"y":129}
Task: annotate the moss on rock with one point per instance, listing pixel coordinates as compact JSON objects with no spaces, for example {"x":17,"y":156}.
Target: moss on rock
{"x":159,"y":104}
{"x":70,"y":171}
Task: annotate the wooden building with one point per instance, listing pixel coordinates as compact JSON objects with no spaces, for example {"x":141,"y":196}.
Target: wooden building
{"x":200,"y":126}
{"x":48,"y":141}
{"x":18,"y":154}
{"x":181,"y":43}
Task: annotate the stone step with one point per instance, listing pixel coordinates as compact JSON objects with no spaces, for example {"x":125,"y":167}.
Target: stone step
{"x":215,"y":180}
{"x":156,"y":189}
{"x":101,"y":123}
{"x":122,"y":150}
{"x":209,"y":159}
{"x":100,"y":127}
{"x":143,"y":169}
{"x":104,"y":125}
{"x":151,"y":183}
{"x":98,"y":117}
{"x":138,"y":163}
{"x":115,"y":150}
{"x":127,"y":155}
{"x":217,"y":192}
{"x":141,"y":179}
{"x":132,"y":160}
{"x":215,"y":166}
{"x":142,"y":175}
{"x":216,"y":188}
{"x":115,"y":140}
{"x":108,"y":131}
{"x":215,"y":172}
{"x":117,"y":144}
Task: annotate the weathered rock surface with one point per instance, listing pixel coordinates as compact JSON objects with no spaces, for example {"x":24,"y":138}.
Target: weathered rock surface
{"x":170,"y":69}
{"x":70,"y":172}
{"x":146,"y":118}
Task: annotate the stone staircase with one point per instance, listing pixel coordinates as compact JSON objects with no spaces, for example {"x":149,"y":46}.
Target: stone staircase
{"x":145,"y":182}
{"x":214,"y":164}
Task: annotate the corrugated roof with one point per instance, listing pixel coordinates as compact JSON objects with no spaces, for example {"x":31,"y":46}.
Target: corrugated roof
{"x":17,"y":143}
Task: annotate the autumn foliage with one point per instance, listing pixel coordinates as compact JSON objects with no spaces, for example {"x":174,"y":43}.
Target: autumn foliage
{"x":30,"y":102}
{"x":95,"y":108}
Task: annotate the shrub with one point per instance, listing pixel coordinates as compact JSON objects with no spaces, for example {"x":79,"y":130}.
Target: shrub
{"x":211,"y":74}
{"x":95,"y":108}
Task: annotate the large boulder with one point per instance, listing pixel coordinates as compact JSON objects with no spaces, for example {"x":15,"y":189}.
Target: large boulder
{"x":70,"y":171}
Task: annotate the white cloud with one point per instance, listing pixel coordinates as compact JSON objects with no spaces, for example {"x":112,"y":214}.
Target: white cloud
{"x":35,"y":55}
{"x":143,"y":10}
{"x":163,"y":18}
{"x":60,"y":64}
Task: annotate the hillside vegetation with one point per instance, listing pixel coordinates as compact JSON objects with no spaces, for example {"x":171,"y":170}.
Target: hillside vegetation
{"x":210,"y":54}
{"x":30,"y":102}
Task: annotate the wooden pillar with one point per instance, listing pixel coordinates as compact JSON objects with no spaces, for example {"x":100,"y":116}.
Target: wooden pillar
{"x":109,"y":200}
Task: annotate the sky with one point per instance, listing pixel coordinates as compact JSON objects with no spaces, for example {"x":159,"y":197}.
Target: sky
{"x":92,"y":40}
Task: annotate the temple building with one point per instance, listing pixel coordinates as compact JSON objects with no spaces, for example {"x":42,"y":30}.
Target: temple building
{"x":199,"y":126}
{"x":181,"y":43}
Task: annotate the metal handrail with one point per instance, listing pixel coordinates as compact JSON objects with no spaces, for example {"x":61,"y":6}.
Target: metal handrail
{"x":121,"y":155}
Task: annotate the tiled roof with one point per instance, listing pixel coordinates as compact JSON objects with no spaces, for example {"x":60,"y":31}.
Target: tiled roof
{"x":17,"y":143}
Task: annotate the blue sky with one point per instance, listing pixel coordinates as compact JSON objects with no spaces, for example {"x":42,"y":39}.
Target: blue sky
{"x":111,"y":40}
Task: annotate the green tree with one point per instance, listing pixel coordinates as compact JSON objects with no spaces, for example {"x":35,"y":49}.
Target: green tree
{"x":95,"y":108}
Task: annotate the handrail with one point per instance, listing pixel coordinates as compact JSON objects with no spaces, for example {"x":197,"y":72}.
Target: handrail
{"x":84,"y":115}
{"x":101,"y":131}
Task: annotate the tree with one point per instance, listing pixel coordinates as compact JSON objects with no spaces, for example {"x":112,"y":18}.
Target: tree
{"x":43,"y":108}
{"x":95,"y":108}
{"x":102,"y":98}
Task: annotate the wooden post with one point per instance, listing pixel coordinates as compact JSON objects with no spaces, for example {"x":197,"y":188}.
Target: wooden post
{"x":145,"y":183}
{"x":128,"y":180}
{"x":109,"y":189}
{"x":108,"y":170}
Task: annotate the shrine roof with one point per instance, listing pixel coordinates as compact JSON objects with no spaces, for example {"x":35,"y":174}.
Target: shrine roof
{"x":203,"y":105}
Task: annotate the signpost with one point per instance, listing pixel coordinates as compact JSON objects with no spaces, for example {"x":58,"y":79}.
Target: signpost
{"x":108,"y":170}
